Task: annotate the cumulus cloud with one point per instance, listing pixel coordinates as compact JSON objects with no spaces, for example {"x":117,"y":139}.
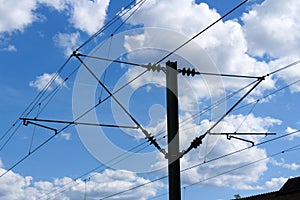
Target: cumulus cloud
{"x":44,"y":80}
{"x":16,"y":15}
{"x":291,"y":74}
{"x":241,"y":178}
{"x":214,"y":146}
{"x":68,"y":42}
{"x":9,"y":48}
{"x":225,"y":42}
{"x":227,"y":45}
{"x":231,"y":47}
{"x":150,"y":45}
{"x":269,"y":30}
{"x":272,"y":28}
{"x":275,"y":183}
{"x":283,"y":164}
{"x":66,"y":136}
{"x":15,"y":186}
{"x":59,"y":5}
{"x":87,"y":16}
{"x":293,"y":133}
{"x":192,"y":95}
{"x":253,"y":123}
{"x":18,"y":187}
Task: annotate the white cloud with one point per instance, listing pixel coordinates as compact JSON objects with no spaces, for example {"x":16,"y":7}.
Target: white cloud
{"x":275,"y":183}
{"x":153,"y":10}
{"x":150,"y":46}
{"x":16,"y":15}
{"x":231,"y":45}
{"x":215,"y":146}
{"x":292,"y":166}
{"x":85,"y":15}
{"x":44,"y":80}
{"x":225,"y":42}
{"x":9,"y":48}
{"x":272,"y":28}
{"x":67,"y":41}
{"x":291,"y":74}
{"x":268,"y":28}
{"x":253,"y":124}
{"x":88,"y":16}
{"x":291,"y":130}
{"x":242,"y":178}
{"x":66,"y":136}
{"x":228,"y":43}
{"x":246,"y":176}
{"x":59,"y":5}
{"x":231,"y":56}
{"x":134,"y":42}
{"x":14,"y":186}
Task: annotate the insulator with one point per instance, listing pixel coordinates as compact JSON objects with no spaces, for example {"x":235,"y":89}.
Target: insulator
{"x":151,"y":139}
{"x":193,"y":72}
{"x":149,"y":66}
{"x":183,"y":71}
{"x":154,"y":67}
{"x":187,"y":72}
{"x":196,"y":142}
{"x":157,"y":67}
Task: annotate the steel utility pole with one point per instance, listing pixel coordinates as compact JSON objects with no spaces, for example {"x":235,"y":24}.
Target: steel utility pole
{"x":173,"y":135}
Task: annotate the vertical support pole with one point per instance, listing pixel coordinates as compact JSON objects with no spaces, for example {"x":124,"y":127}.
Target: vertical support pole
{"x":173,"y":135}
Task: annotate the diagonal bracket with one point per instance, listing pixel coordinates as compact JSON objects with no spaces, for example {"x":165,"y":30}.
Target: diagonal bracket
{"x":26,"y":123}
{"x":229,"y":136}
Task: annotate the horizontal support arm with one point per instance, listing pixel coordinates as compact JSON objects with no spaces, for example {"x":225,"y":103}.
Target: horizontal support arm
{"x":26,"y":120}
{"x":235,"y":133}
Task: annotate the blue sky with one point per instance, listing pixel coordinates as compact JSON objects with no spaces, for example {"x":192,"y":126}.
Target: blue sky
{"x":38,"y":36}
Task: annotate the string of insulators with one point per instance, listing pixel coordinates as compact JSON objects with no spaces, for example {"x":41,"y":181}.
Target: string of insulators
{"x":153,"y":141}
{"x":155,"y":67}
{"x":188,"y":71}
{"x":196,"y":142}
